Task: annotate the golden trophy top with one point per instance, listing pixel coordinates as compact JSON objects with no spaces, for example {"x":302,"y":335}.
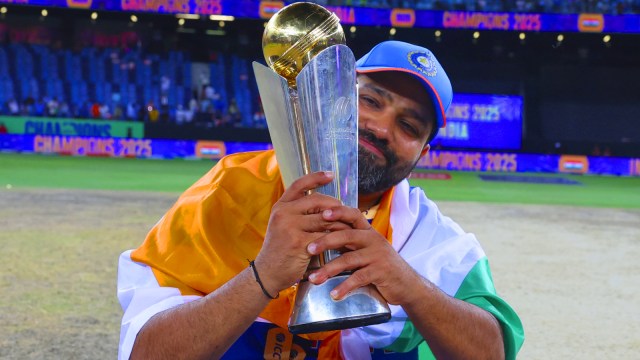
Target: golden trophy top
{"x":297,"y":33}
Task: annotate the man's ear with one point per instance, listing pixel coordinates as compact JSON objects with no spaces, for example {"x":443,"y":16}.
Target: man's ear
{"x":425,"y":150}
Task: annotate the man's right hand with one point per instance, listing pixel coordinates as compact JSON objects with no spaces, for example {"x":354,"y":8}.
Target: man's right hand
{"x":296,"y":220}
{"x":207,"y":327}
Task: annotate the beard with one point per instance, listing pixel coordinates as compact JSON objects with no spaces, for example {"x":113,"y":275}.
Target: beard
{"x":374,"y":177}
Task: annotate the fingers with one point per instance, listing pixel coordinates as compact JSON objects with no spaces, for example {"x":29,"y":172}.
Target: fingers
{"x":350,"y":239}
{"x":306,"y":214}
{"x":316,"y":223}
{"x":362,"y":276}
{"x":308,"y":182}
{"x":347,"y":261}
{"x":347,"y":215}
{"x":312,"y":204}
{"x":369,"y":259}
{"x":357,"y":280}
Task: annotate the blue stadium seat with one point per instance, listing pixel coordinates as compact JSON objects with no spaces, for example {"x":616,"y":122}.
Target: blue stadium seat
{"x":94,"y":74}
{"x":4,"y":63}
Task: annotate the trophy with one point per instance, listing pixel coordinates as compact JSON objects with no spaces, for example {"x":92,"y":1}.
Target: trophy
{"x":309,"y":95}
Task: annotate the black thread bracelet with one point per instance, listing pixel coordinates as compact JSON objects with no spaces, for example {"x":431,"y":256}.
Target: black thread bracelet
{"x":255,"y":272}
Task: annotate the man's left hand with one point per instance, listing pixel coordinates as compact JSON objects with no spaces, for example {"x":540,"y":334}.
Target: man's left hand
{"x":370,"y":257}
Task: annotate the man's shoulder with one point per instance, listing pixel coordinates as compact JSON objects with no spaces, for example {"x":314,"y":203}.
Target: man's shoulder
{"x":431,"y":213}
{"x":247,"y":158}
{"x":260,"y":165}
{"x":240,"y":175}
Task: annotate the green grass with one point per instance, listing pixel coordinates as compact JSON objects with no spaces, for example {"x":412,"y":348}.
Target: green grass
{"x":40,"y":171}
{"x":43,"y":171}
{"x":597,"y":191}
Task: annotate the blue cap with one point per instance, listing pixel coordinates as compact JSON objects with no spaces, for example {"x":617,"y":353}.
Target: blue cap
{"x":417,"y":61}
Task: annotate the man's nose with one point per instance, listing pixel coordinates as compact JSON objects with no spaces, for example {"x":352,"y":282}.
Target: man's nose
{"x":379,"y":125}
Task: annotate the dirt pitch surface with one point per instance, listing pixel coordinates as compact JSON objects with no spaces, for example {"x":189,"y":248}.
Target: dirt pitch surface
{"x":571,"y":273}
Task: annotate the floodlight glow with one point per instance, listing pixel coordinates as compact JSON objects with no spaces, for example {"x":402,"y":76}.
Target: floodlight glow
{"x":188,"y":16}
{"x":476,"y":34}
{"x":221,"y":18}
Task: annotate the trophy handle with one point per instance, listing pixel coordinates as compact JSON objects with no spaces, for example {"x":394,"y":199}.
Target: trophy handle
{"x":280,"y":109}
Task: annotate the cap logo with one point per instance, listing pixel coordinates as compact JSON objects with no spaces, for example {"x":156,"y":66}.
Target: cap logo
{"x":423,"y":61}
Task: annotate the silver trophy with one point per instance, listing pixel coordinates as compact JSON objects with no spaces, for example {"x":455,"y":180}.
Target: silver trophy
{"x":310,"y":102}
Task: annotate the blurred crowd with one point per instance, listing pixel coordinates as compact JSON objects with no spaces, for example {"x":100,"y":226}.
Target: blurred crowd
{"x":206,"y":109}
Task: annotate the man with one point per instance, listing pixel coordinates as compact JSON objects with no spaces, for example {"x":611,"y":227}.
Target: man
{"x":187,"y":291}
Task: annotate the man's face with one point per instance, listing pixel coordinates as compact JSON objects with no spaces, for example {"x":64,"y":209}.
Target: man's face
{"x":396,"y":117}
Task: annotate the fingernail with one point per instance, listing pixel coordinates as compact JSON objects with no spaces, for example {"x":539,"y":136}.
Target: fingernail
{"x":328,"y":174}
{"x":311,"y":248}
{"x":313,"y":277}
{"x":327,"y":213}
{"x":334,"y":294}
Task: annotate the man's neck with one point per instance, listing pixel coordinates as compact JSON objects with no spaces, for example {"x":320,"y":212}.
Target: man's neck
{"x":366,"y":201}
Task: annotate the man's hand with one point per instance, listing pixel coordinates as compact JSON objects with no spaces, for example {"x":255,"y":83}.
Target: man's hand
{"x":206,"y":328}
{"x":454,"y":329}
{"x":296,"y":220}
{"x":372,"y":258}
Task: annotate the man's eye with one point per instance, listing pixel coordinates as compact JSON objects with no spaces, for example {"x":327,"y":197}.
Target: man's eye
{"x":408,"y":127}
{"x":369,"y":101}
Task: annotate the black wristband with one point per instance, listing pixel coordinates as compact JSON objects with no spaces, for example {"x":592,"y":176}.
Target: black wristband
{"x":252,"y":265}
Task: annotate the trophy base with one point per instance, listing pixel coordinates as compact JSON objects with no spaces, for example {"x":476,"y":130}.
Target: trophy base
{"x":339,"y":324}
{"x":314,"y":310}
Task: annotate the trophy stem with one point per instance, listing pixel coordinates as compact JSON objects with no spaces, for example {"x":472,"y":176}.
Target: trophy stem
{"x":302,"y":143}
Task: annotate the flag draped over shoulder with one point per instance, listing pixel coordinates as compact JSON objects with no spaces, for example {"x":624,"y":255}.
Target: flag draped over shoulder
{"x":205,"y":239}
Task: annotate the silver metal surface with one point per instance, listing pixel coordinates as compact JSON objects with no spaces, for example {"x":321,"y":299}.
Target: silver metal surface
{"x":328,"y":101}
{"x":316,"y":311}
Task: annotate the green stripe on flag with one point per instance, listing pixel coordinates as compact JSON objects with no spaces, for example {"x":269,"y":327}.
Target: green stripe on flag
{"x":425,"y":353}
{"x":408,"y":339}
{"x":477,"y":288}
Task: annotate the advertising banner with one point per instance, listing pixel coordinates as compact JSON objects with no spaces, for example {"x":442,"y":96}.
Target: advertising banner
{"x":399,"y":17}
{"x":538,"y":163}
{"x":469,"y":161}
{"x":72,"y":127}
{"x":210,"y":149}
{"x":92,"y":146}
{"x":634,"y":167}
{"x":573,"y":164}
{"x":482,"y":122}
{"x":434,"y":160}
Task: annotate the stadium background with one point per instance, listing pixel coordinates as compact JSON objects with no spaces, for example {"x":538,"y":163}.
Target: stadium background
{"x":546,"y":89}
